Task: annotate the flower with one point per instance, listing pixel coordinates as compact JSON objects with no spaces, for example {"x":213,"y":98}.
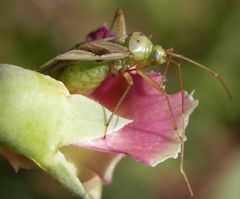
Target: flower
{"x":43,"y":126}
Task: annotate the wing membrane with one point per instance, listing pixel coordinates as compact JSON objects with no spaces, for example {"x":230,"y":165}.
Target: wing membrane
{"x":100,"y":50}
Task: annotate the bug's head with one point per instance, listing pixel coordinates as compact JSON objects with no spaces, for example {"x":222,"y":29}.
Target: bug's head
{"x":158,"y":54}
{"x":143,"y":49}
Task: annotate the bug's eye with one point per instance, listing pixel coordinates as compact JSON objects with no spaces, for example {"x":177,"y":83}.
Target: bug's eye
{"x":158,"y":54}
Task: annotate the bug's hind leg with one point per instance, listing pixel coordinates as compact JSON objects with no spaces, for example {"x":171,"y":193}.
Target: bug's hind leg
{"x":180,"y":74}
{"x":119,"y":26}
{"x":129,"y":80}
{"x":181,"y":137}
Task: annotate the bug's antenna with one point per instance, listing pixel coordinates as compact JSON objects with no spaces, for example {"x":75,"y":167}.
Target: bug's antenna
{"x":216,"y":75}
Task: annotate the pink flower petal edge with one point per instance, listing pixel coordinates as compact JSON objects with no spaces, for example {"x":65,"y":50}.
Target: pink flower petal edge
{"x":92,"y":163}
{"x":151,"y":137}
{"x":101,"y":33}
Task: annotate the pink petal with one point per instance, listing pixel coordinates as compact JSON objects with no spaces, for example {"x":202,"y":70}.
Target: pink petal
{"x":17,"y":161}
{"x":91,"y":163}
{"x":94,"y":187}
{"x":151,"y":137}
{"x":100,"y":33}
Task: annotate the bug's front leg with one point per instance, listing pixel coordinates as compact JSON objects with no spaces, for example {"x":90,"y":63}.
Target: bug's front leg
{"x":129,"y":80}
{"x":119,"y":26}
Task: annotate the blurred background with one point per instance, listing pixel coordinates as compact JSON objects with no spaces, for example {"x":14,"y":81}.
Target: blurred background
{"x":208,"y":31}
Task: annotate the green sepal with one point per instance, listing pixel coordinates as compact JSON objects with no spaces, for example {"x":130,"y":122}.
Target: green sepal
{"x":38,"y":116}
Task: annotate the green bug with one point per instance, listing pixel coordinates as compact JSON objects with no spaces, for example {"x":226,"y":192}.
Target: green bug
{"x":84,"y":67}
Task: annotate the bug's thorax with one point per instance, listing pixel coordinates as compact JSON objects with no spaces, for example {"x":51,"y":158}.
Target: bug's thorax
{"x":140,"y":46}
{"x":143,"y":50}
{"x":120,"y":66}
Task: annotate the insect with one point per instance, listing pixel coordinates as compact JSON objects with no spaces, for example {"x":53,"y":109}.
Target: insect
{"x":86,"y":65}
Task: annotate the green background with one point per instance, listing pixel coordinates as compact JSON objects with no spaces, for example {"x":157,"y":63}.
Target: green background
{"x":208,"y":31}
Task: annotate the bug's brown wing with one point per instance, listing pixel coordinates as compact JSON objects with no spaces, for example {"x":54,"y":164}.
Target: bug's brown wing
{"x":91,"y":51}
{"x":102,"y":47}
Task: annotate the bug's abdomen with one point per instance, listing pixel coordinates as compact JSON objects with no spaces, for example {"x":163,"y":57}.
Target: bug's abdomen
{"x":83,"y":78}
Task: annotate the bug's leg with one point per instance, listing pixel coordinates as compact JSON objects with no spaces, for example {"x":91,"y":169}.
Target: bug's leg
{"x":165,"y":74}
{"x":183,"y":131}
{"x":105,"y":121}
{"x":166,"y":67}
{"x":159,"y":88}
{"x":180,"y":77}
{"x":129,"y":80}
{"x":182,"y":164}
{"x":180,"y":74}
{"x":119,"y":26}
